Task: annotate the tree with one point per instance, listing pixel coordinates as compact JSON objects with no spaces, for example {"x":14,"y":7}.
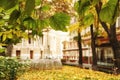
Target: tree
{"x":84,"y":20}
{"x":18,"y":16}
{"x":107,"y":12}
{"x":75,"y":27}
{"x":94,"y":56}
{"x":10,"y":31}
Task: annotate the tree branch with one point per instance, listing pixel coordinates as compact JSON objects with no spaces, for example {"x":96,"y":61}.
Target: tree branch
{"x":113,"y":26}
{"x":115,"y":10}
{"x":105,"y":27}
{"x":98,"y":8}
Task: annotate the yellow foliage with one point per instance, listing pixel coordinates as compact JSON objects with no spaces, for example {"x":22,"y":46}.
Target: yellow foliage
{"x":67,"y":73}
{"x":73,"y":27}
{"x":98,"y":42}
{"x":104,"y":34}
{"x":68,"y":1}
{"x":104,"y":1}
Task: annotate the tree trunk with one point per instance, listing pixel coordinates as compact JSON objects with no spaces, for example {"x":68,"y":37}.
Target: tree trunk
{"x":80,"y":49}
{"x":9,"y":50}
{"x":94,"y":57}
{"x":116,"y":50}
{"x":115,"y":44}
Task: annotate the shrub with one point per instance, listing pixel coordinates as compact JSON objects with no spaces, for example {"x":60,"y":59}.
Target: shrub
{"x":11,"y":68}
{"x":2,"y":51}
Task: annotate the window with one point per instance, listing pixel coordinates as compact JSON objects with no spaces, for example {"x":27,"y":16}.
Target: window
{"x":102,"y":56}
{"x":18,"y":52}
{"x":29,"y":40}
{"x":31,"y":54}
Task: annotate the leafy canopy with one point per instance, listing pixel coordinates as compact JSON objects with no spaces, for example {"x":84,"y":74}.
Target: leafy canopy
{"x":17,"y":16}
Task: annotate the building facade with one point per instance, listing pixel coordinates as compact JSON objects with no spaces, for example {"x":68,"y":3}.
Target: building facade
{"x":47,"y":46}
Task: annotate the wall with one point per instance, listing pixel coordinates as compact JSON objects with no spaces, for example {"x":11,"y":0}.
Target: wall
{"x":48,"y":46}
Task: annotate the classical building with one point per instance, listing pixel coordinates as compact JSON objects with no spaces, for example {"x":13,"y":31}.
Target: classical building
{"x":52,"y":43}
{"x":47,"y":46}
{"x":28,"y":49}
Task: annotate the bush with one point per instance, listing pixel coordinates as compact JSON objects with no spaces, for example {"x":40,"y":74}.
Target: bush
{"x":2,"y":51}
{"x":10,"y":68}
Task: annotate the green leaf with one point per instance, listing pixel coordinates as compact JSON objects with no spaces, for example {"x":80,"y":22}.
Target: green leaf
{"x":10,"y":36}
{"x":45,"y":8}
{"x":1,"y":33}
{"x":37,"y":2}
{"x":107,"y":12}
{"x":112,"y":2}
{"x":29,"y":7}
{"x":8,"y":4}
{"x":82,"y":6}
{"x":18,"y":33}
{"x":40,"y":25}
{"x":24,"y":35}
{"x":43,"y":23}
{"x":88,"y":19}
{"x":59,"y":21}
{"x":2,"y":22}
{"x":4,"y":37}
{"x":94,"y":2}
{"x":28,"y":19}
{"x":14,"y":16}
{"x":2,"y":50}
{"x":39,"y":33}
{"x":106,"y":15}
{"x":76,"y":6}
{"x":29,"y":22}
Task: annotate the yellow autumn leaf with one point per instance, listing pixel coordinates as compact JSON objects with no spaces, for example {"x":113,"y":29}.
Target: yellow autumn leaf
{"x":73,"y":27}
{"x":4,"y":37}
{"x":10,"y":35}
{"x":67,"y":73}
